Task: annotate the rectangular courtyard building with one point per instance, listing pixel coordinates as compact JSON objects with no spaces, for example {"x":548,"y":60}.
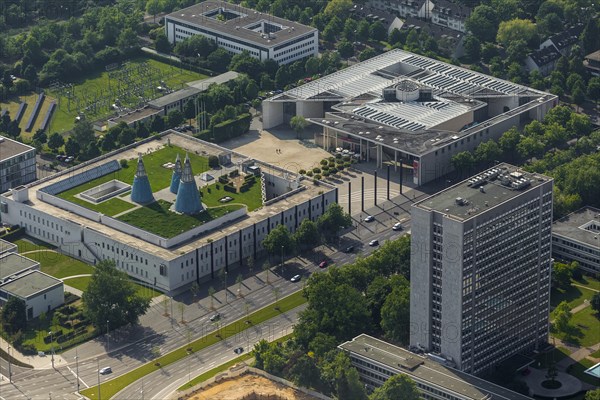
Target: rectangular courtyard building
{"x":40,"y":292}
{"x":237,"y":29}
{"x":17,"y":164}
{"x":162,"y":213}
{"x":480,"y":268}
{"x":576,"y":237}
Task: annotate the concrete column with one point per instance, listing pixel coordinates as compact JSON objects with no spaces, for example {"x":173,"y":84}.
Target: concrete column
{"x":272,"y":114}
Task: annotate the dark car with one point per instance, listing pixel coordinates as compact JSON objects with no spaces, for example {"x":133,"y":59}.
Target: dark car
{"x":349,"y":249}
{"x":238,"y":350}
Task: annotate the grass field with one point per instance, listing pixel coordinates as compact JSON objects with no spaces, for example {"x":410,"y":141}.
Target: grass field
{"x":574,"y":295}
{"x":98,"y":83}
{"x":83,"y":282}
{"x":588,"y":281}
{"x":157,"y":218}
{"x":31,"y":244}
{"x":59,"y":265}
{"x":112,"y":387}
{"x":252,"y":198}
{"x":159,"y":178}
{"x":13,"y":106}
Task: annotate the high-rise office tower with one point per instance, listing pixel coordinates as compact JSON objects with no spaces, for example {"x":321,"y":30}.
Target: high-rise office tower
{"x":480,"y":268}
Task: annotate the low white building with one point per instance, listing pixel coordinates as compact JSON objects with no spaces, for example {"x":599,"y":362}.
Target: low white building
{"x":237,"y":29}
{"x":41,"y":292}
{"x":7,"y":247}
{"x":169,"y":264}
{"x":576,"y":237}
{"x":17,"y":164}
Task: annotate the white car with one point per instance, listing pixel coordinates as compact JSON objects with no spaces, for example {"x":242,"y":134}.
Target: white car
{"x":374,"y":243}
{"x":397,"y":226}
{"x":369,"y":218}
{"x":295,"y":278}
{"x":105,"y":370}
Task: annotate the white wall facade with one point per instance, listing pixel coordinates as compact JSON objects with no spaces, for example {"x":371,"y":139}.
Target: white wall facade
{"x":166,"y":274}
{"x":45,"y":301}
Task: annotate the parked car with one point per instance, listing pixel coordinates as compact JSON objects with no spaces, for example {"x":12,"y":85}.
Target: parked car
{"x":349,"y":249}
{"x":105,"y":370}
{"x":374,"y":243}
{"x":295,"y":278}
{"x":397,"y":226}
{"x":215,"y":317}
{"x":369,"y":218}
{"x":238,"y":350}
{"x":60,"y":157}
{"x":323,"y":264}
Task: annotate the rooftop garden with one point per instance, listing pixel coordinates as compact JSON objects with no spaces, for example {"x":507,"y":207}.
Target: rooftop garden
{"x":159,"y":177}
{"x":247,"y":191}
{"x":156,"y":218}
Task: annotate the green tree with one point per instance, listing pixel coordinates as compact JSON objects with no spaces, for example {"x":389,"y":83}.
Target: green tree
{"x":596,"y":303}
{"x":561,"y":275}
{"x":40,"y":136}
{"x":127,"y":40}
{"x":395,"y":314}
{"x":112,"y":296}
{"x":399,"y":386}
{"x":161,"y":43}
{"x":377,"y":31}
{"x":279,"y":237}
{"x":509,"y":140}
{"x":305,"y":373}
{"x":592,"y":394}
{"x":462,"y":162}
{"x":153,"y":7}
{"x":343,"y":378}
{"x":174,"y":118}
{"x":366,"y":54}
{"x":55,"y":141}
{"x":593,"y":89}
{"x":83,"y":134}
{"x":529,"y":147}
{"x":396,"y":37}
{"x":14,"y":316}
{"x":338,"y":7}
{"x":562,"y":317}
{"x":363,"y":30}
{"x":488,"y":152}
{"x":483,"y":23}
{"x":333,"y":220}
{"x":516,"y":29}
{"x":251,"y":90}
{"x":472,"y":47}
{"x":298,"y":124}
{"x":345,"y":48}
{"x":307,"y":235}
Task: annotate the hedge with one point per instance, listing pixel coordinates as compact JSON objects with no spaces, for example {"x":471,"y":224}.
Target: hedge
{"x":227,"y":129}
{"x":229,"y":188}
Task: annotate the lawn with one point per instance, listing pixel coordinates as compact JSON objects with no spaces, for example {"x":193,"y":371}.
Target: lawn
{"x":574,"y":295}
{"x":584,"y":329}
{"x":112,"y":387}
{"x":157,"y":218}
{"x":159,"y":177}
{"x":252,"y":198}
{"x":13,"y":106}
{"x":31,"y":244}
{"x":80,"y":283}
{"x":59,"y":265}
{"x":588,"y":281}
{"x":98,"y":84}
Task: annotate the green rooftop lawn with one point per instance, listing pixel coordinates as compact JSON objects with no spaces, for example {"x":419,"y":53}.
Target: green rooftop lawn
{"x":159,"y":177}
{"x":251,"y":198}
{"x":156,"y":218}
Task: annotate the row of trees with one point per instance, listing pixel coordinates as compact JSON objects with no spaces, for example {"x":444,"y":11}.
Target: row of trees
{"x":370,"y":295}
{"x":574,"y":167}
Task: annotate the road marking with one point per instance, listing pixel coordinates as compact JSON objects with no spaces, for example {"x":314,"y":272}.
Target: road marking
{"x":75,"y":375}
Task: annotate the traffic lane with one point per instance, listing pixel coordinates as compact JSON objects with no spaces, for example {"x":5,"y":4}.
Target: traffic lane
{"x":160,"y":384}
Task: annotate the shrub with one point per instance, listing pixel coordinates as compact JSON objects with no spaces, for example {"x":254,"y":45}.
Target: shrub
{"x":213,"y":161}
{"x":316,"y":170}
{"x":124,"y":163}
{"x":331,"y":159}
{"x":333,"y":171}
{"x":325,"y":173}
{"x":223,"y":179}
{"x":347,"y":164}
{"x":346,"y":158}
{"x":325,"y":168}
{"x":332,"y":163}
{"x":309,"y":173}
{"x":302,"y":172}
{"x":28,"y":349}
{"x":229,"y":188}
{"x":323,"y":162}
{"x":234,"y":173}
{"x":318,"y":177}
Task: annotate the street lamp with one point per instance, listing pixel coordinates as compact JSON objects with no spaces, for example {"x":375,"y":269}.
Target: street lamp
{"x":282,"y":260}
{"x":77,"y":368}
{"x":52,"y":346}
{"x":107,"y":339}
{"x":9,"y":367}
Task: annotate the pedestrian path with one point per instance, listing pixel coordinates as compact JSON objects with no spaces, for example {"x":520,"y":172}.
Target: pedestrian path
{"x":37,"y":361}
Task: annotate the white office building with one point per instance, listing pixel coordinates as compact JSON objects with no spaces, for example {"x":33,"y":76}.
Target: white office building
{"x":17,"y":164}
{"x":480,"y":268}
{"x":576,"y":237}
{"x":238,"y":29}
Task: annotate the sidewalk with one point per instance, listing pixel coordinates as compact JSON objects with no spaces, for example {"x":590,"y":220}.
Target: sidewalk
{"x":37,"y":362}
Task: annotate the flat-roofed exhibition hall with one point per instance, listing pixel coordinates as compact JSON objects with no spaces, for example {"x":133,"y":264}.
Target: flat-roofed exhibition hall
{"x":161,"y":212}
{"x":400,"y":107}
